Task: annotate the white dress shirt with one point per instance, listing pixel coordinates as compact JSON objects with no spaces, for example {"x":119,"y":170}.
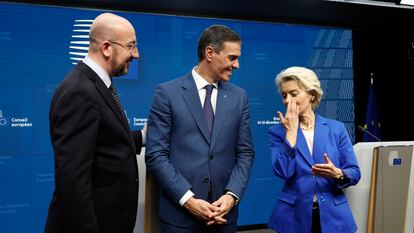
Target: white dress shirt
{"x":98,"y":70}
{"x":201,"y":83}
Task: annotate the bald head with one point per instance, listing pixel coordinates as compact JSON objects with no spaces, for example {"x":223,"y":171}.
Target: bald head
{"x":108,"y":27}
{"x":112,"y":44}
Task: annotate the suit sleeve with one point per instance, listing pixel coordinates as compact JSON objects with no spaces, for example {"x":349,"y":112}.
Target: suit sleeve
{"x":137,"y":136}
{"x":347,"y":160}
{"x":244,"y":154}
{"x":283,"y":155}
{"x":158,"y":144}
{"x":75,"y":123}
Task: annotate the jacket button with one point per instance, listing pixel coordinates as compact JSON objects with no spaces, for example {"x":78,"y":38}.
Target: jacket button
{"x":206,"y":180}
{"x":211,"y":157}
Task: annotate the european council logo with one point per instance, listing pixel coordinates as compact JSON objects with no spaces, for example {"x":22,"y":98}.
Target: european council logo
{"x":79,"y":45}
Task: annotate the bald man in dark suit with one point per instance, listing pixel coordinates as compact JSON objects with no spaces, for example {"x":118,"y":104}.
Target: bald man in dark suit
{"x":96,"y":173}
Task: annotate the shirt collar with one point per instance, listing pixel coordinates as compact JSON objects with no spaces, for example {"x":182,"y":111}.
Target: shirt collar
{"x":98,"y":70}
{"x":200,"y":81}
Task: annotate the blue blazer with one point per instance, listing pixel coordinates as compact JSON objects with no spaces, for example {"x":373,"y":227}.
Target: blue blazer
{"x":181,"y":155}
{"x":293,"y":210}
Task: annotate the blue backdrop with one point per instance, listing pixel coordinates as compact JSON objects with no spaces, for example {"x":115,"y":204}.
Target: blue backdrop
{"x":39,"y":45}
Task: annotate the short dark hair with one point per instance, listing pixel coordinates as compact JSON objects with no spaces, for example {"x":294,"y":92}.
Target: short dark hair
{"x":215,"y":36}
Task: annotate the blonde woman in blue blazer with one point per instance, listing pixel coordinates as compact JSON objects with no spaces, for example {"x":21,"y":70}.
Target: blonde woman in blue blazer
{"x":315,"y":158}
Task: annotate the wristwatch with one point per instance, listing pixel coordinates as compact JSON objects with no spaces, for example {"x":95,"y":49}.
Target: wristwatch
{"x":236,"y":199}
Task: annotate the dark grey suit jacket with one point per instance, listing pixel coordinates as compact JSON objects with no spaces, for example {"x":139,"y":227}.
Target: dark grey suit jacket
{"x":96,"y":173}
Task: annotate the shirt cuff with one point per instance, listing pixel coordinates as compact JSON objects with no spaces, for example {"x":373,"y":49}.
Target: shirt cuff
{"x":185,"y":198}
{"x":144,"y":137}
{"x":236,"y":198}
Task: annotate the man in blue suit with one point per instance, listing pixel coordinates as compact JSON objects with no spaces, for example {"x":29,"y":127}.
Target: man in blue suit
{"x":199,"y":143}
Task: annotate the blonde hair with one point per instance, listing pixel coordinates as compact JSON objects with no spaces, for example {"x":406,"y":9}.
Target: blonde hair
{"x":307,"y":79}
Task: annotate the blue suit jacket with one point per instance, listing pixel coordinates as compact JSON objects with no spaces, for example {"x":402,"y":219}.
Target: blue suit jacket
{"x":293,"y":210}
{"x":180,"y":154}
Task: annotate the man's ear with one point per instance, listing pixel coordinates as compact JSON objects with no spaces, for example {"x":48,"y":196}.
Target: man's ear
{"x":106,"y":49}
{"x":209,"y":53}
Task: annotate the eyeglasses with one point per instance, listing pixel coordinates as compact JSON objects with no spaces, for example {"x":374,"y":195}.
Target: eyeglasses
{"x":130,"y":47}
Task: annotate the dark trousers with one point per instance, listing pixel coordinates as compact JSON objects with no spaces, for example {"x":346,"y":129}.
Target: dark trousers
{"x":199,"y":227}
{"x":316,"y":221}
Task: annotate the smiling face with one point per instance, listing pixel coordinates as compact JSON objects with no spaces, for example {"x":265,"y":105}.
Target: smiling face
{"x":223,"y":63}
{"x":124,"y":50}
{"x":112,"y":43}
{"x":291,"y":90}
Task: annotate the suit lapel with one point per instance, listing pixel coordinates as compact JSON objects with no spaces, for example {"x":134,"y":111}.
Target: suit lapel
{"x":320,"y":139}
{"x":104,"y":91}
{"x":221,"y":111}
{"x":192,"y":100}
{"x":111,"y":102}
{"x":303,"y":148}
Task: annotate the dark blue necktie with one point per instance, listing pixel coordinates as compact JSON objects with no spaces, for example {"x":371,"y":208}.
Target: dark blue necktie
{"x":208,"y":108}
